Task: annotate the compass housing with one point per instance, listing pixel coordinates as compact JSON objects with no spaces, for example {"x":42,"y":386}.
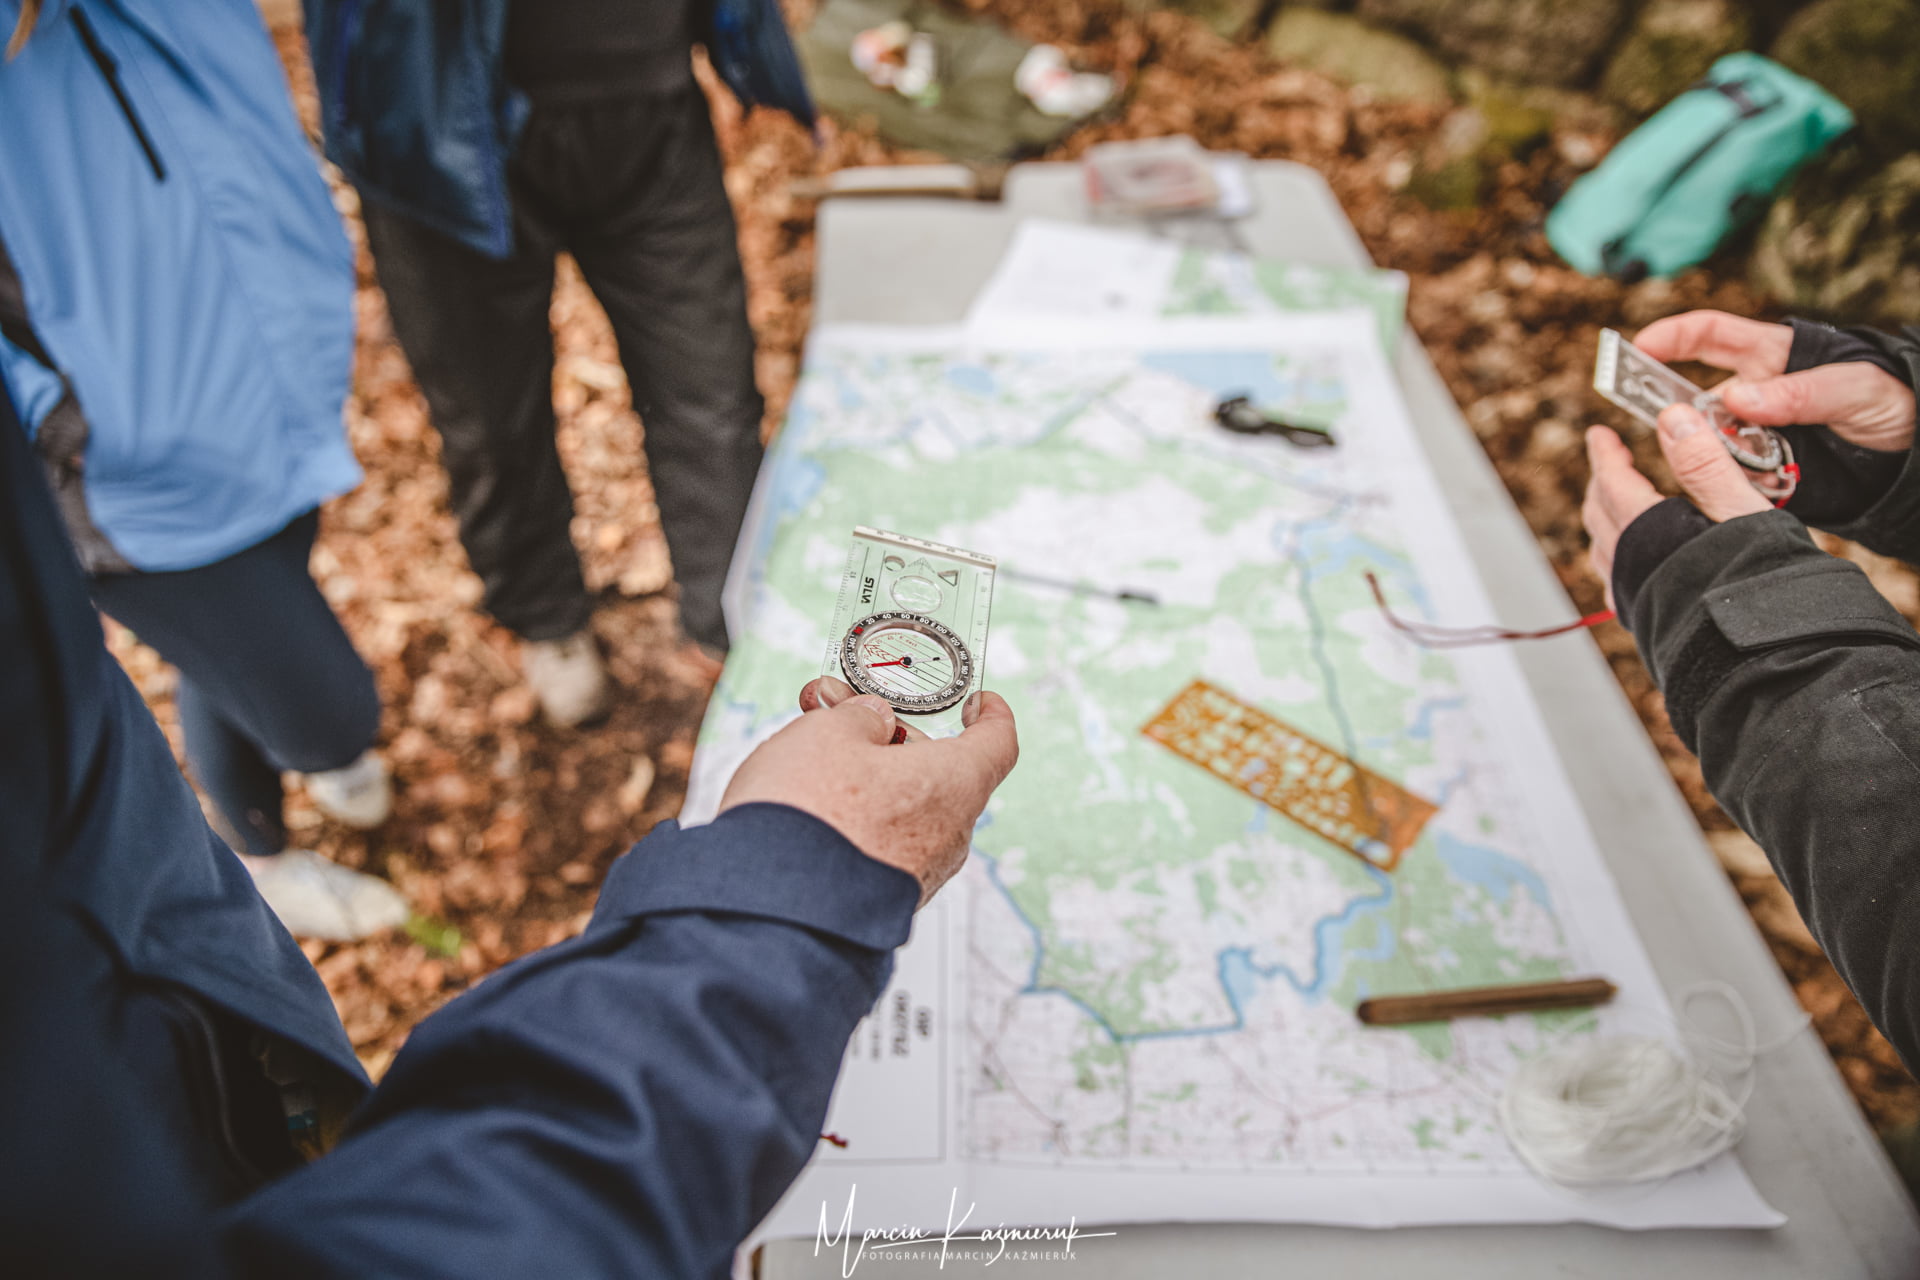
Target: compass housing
{"x":941,"y":689}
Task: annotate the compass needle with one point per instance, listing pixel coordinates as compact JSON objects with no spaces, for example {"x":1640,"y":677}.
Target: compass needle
{"x":913,"y":661}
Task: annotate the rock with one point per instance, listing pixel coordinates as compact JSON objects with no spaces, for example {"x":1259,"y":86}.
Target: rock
{"x":1867,"y":54}
{"x":1841,"y":244}
{"x":1537,"y":41}
{"x":1502,"y":121}
{"x":1668,"y":48}
{"x":1348,"y":49}
{"x":1522,"y":116}
{"x":1452,"y":167}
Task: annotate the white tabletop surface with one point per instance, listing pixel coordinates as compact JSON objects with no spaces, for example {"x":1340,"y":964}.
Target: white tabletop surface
{"x":1807,"y":1148}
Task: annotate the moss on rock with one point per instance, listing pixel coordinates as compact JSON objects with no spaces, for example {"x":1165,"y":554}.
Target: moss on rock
{"x":1669,"y":47}
{"x":1844,"y":243}
{"x":1537,"y":41}
{"x":1867,"y":54}
{"x":1346,"y":48}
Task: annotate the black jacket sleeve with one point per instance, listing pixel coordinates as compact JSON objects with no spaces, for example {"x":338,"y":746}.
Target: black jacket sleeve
{"x":1890,"y":521}
{"x":1798,"y":686}
{"x":1880,"y":508}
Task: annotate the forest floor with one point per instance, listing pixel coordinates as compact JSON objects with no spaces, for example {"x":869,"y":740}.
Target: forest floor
{"x":503,"y":827}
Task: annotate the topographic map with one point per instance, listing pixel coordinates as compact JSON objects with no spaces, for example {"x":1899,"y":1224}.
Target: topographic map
{"x":1137,"y":1001}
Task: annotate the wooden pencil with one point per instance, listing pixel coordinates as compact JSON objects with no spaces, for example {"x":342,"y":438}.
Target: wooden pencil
{"x":1475,"y":1002}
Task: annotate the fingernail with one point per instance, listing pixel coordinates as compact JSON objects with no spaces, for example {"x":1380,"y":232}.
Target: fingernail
{"x":1680,"y":422}
{"x":879,"y":706}
{"x":831,"y":692}
{"x":970,"y":712}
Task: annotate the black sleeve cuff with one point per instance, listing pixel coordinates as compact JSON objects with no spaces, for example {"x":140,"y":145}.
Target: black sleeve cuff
{"x":1644,"y":546}
{"x":1815,"y":344}
{"x":1839,"y":481}
{"x":767,"y":860}
{"x":1747,"y":585}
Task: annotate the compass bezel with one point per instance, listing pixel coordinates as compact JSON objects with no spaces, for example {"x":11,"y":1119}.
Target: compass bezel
{"x":908,"y":704}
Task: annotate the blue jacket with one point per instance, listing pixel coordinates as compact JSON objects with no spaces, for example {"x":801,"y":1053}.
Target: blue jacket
{"x":630,"y":1102}
{"x":183,"y":270}
{"x":417,"y":112}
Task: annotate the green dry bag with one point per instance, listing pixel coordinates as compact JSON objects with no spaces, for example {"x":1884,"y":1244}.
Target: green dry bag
{"x":1704,"y":166}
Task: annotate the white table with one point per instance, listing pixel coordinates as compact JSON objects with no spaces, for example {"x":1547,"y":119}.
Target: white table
{"x":1808,"y":1148}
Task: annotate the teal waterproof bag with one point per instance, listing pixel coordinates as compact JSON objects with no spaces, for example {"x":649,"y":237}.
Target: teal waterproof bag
{"x":1705,"y":165}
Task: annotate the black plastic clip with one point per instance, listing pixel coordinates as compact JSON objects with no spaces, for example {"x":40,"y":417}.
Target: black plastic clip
{"x":1239,"y":415}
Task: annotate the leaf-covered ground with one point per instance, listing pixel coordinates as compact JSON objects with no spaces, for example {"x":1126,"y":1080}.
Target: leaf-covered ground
{"x":503,"y":828}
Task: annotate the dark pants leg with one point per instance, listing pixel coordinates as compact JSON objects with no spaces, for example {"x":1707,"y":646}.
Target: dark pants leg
{"x":268,"y":678}
{"x":664,"y":260}
{"x":477,"y":334}
{"x":632,"y":187}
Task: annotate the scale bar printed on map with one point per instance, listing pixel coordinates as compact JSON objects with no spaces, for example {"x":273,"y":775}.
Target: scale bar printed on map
{"x":1371,"y":817}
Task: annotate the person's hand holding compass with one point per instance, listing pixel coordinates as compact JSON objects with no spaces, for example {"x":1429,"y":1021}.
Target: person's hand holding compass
{"x":901,"y":797}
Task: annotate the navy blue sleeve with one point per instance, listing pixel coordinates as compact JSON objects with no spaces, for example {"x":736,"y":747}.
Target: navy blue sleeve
{"x":631,"y":1102}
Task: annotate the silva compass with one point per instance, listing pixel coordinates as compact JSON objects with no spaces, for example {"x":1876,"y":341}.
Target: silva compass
{"x":914,"y":662}
{"x":1641,"y":385}
{"x":911,"y":625}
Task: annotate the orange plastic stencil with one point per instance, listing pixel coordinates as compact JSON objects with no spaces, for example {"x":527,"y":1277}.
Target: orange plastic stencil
{"x":1369,"y":816}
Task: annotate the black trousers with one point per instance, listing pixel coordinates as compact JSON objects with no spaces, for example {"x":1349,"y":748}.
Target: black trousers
{"x":631,"y":188}
{"x":268,"y":678}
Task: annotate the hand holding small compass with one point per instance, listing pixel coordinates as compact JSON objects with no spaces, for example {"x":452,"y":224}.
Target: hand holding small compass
{"x":911,"y":808}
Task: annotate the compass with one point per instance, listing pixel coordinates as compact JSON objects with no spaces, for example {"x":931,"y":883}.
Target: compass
{"x":917,"y":664}
{"x":1755,"y":448}
{"x":1762,"y":451}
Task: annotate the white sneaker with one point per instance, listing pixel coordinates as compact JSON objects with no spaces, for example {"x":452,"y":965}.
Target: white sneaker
{"x":315,"y":898}
{"x":360,"y":795}
{"x":568,"y":677}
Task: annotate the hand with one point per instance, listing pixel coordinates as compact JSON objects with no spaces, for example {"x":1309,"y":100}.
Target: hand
{"x":911,"y":806}
{"x":1617,"y":494}
{"x":1859,"y":402}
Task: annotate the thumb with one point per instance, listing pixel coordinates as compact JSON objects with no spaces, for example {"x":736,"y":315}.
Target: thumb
{"x":1824,"y":394}
{"x":867,"y":717}
{"x":1717,"y":484}
{"x":990,"y":736}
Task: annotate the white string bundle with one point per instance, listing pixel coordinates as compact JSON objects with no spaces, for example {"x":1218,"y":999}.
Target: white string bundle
{"x":1632,"y":1108}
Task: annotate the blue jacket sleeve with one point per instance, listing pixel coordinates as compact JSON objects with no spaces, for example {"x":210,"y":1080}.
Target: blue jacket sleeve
{"x":631,"y":1102}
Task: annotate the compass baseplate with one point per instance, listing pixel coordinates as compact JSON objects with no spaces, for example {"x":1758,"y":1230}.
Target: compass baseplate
{"x":935,"y":599}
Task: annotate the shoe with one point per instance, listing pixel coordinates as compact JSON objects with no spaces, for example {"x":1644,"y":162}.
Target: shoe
{"x":315,"y":898}
{"x":568,"y":677}
{"x":360,"y":795}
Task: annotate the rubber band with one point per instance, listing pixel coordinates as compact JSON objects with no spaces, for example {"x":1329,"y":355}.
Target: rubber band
{"x":1430,"y":635}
